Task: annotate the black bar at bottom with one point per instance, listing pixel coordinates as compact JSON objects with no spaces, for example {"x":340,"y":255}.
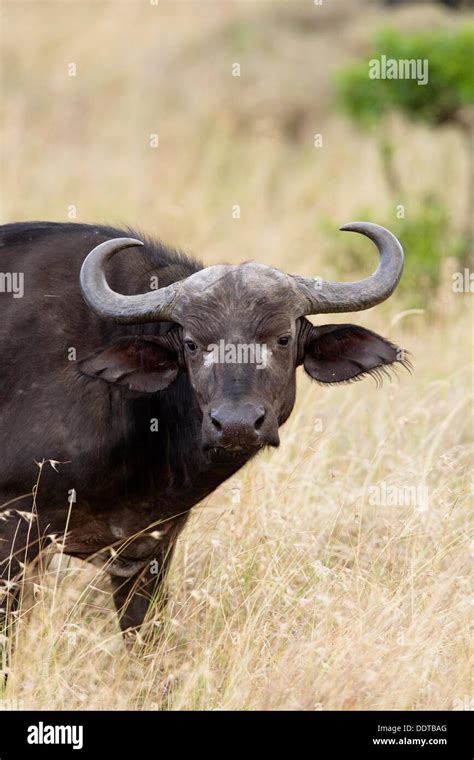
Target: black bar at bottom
{"x":129,"y":734}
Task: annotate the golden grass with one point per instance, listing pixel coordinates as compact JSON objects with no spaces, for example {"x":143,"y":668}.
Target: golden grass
{"x":289,"y":588}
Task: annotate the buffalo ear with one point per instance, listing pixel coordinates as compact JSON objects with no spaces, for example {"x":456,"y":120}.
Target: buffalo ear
{"x":139,"y":362}
{"x":337,"y":353}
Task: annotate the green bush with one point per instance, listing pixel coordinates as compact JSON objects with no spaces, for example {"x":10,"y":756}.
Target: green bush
{"x":450,"y":84}
{"x":447,"y":97}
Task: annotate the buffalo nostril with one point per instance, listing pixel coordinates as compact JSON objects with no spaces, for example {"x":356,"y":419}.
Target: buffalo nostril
{"x":259,"y":421}
{"x":215,"y":423}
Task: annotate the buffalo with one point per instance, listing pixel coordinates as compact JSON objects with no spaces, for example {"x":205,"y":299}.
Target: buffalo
{"x":139,"y":380}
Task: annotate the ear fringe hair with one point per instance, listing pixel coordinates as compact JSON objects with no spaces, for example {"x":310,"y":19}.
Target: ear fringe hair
{"x":379,"y":373}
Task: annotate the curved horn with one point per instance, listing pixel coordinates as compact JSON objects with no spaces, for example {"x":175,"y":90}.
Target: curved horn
{"x":154,"y":306}
{"x":326,"y":297}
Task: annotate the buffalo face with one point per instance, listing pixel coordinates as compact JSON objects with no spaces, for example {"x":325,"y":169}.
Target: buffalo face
{"x":240,"y":332}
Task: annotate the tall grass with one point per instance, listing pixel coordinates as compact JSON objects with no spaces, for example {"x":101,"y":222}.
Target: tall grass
{"x":290,"y":587}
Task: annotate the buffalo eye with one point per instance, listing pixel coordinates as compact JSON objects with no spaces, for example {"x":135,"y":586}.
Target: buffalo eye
{"x":191,"y":346}
{"x":283,"y":340}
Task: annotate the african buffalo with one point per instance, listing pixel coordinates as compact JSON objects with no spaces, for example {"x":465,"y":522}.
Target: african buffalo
{"x":134,"y":370}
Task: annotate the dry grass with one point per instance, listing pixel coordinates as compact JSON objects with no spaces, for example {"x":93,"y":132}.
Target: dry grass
{"x":289,"y":588}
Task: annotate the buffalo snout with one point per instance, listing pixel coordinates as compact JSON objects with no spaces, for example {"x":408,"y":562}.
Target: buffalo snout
{"x":239,"y":425}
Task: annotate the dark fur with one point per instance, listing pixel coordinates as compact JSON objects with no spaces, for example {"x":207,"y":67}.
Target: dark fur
{"x":122,"y":472}
{"x":129,"y":481}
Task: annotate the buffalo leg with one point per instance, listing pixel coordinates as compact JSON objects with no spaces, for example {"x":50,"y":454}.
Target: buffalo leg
{"x":132,"y":596}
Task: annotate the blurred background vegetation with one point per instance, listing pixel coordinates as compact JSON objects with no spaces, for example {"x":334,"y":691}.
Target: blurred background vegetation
{"x":447,"y":98}
{"x":302,"y":141}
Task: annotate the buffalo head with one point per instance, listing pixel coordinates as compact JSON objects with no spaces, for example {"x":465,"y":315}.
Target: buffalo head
{"x":240,"y":331}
